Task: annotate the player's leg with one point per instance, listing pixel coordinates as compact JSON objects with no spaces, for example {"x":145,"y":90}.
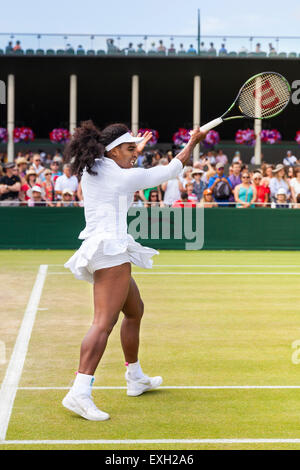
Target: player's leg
{"x":111,"y":286}
{"x":137,"y":381}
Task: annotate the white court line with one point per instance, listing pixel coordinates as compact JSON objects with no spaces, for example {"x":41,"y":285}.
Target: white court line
{"x":14,"y":369}
{"x":180,"y":387}
{"x":179,"y":273}
{"x":157,"y":441}
{"x":217,"y":265}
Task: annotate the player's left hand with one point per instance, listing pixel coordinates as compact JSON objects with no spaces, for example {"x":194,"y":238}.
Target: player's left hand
{"x":147,"y":137}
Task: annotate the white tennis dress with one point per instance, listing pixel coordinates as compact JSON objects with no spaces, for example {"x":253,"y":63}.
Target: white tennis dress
{"x":107,"y":197}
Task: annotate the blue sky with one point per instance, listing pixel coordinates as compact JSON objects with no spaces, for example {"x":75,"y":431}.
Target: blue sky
{"x":157,"y":16}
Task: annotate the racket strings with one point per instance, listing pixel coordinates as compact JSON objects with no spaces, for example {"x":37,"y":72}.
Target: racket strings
{"x":264,"y":96}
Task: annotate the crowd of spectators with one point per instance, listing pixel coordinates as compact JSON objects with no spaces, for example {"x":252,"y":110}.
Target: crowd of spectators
{"x":41,"y":179}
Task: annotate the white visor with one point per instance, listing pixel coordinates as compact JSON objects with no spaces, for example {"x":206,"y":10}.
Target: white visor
{"x":123,"y":139}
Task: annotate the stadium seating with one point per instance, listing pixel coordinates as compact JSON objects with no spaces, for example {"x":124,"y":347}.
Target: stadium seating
{"x":80,"y":52}
{"x":90,"y":52}
{"x":60,"y":52}
{"x":40,"y":52}
{"x":100,"y":52}
{"x":1,"y":51}
{"x":50,"y":52}
{"x":29,"y":52}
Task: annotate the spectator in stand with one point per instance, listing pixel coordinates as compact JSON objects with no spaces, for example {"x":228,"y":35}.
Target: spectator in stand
{"x":67,"y":199}
{"x":171,"y":49}
{"x":36,"y":164}
{"x":154,"y":199}
{"x":10,"y":186}
{"x":152,"y":49}
{"x":111,"y":48}
{"x":54,"y":167}
{"x":290,"y":174}
{"x":212,"y":49}
{"x":186,"y":176}
{"x":295,"y":185}
{"x":183,"y":201}
{"x":257,"y":48}
{"x":18,"y":46}
{"x":48,"y":187}
{"x":262,"y":191}
{"x":271,"y":48}
{"x":198,"y":185}
{"x":220,"y":185}
{"x":36,"y":197}
{"x":171,"y":189}
{"x":140,"y":49}
{"x":237,"y":157}
{"x":207,"y":200}
{"x":191,"y":49}
{"x":65,"y":181}
{"x":245,"y":193}
{"x":297,"y":205}
{"x":235,"y":178}
{"x":211,"y":157}
{"x":278,"y":181}
{"x":281,"y":200}
{"x":192,"y":197}
{"x":221,"y":157}
{"x":202,"y":47}
{"x":9,"y":48}
{"x":267,"y":172}
{"x":22,"y":165}
{"x":161,"y":47}
{"x":290,"y":159}
{"x":137,"y":201}
{"x":30,"y":181}
{"x":223,"y":49}
{"x":252,"y":160}
{"x":130,"y":48}
{"x":181,"y":49}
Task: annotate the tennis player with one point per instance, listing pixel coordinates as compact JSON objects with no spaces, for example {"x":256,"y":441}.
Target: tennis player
{"x":106,"y":159}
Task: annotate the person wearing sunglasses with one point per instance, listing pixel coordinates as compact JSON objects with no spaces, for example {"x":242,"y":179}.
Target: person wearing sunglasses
{"x":262,"y":191}
{"x":245,"y":193}
{"x":36,"y":164}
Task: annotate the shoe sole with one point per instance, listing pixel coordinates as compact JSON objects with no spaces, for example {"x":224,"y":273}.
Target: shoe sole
{"x":80,"y":413}
{"x":137,"y":394}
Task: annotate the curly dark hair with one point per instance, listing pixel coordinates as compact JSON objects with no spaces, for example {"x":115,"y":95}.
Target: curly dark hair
{"x":88,"y":143}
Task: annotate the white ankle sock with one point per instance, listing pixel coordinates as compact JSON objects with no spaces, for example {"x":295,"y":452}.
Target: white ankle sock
{"x":135,"y":371}
{"x":83,"y":384}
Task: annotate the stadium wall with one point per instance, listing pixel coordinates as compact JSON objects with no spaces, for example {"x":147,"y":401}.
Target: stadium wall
{"x":224,"y":229}
{"x":166,"y":90}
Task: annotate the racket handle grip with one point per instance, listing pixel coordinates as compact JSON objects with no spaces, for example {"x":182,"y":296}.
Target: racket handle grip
{"x":211,"y":125}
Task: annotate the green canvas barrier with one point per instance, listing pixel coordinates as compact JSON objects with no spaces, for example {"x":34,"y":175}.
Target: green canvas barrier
{"x":223,"y":228}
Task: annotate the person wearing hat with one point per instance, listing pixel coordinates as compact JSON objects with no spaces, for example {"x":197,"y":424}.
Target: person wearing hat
{"x":220,"y":185}
{"x":105,"y":161}
{"x":207,"y":200}
{"x":278,"y":181}
{"x":67,"y":199}
{"x":48,"y":187}
{"x":281,"y":199}
{"x":290,"y":159}
{"x":30,"y":180}
{"x":22,"y":164}
{"x":198,"y":185}
{"x":10,"y":186}
{"x":36,"y":197}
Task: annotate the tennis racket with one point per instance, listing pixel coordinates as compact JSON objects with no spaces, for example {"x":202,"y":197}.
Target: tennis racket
{"x":263,"y":96}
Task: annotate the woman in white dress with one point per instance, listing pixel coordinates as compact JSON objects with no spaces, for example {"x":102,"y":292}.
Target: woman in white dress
{"x":106,"y":159}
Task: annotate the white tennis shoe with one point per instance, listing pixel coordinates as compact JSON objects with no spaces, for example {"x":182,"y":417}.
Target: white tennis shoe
{"x":137,"y":387}
{"x":84,"y":406}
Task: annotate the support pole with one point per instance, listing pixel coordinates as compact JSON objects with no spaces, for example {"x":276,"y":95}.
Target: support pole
{"x":135,"y":104}
{"x":196,"y":112}
{"x":73,"y":104}
{"x":10,"y":117}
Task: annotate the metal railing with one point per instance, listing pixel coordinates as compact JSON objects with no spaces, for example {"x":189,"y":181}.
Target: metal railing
{"x":140,"y":44}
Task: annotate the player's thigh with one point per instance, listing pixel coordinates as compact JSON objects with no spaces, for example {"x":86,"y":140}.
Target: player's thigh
{"x":111,"y":287}
{"x":133,"y":306}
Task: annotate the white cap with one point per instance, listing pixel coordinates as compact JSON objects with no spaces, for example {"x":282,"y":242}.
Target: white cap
{"x":36,"y":188}
{"x":281,"y":191}
{"x":123,"y":139}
